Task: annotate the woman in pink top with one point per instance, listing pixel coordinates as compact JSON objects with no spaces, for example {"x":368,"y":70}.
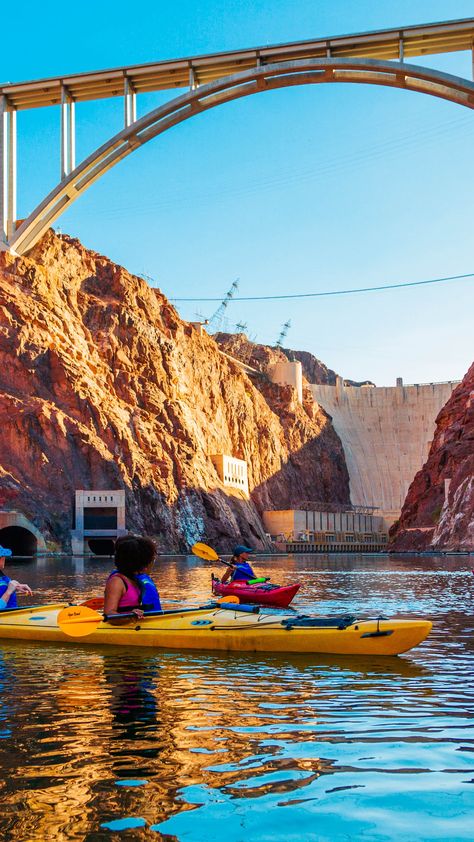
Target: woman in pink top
{"x":123,"y":591}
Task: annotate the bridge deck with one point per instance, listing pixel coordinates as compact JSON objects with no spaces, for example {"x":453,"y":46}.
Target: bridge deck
{"x":449,"y":36}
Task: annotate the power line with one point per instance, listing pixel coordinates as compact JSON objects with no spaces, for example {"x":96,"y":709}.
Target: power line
{"x":336,"y":292}
{"x":293,"y":175}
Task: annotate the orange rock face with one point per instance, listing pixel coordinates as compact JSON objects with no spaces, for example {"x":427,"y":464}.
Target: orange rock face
{"x":439,"y":509}
{"x":102,"y":385}
{"x":261,"y":356}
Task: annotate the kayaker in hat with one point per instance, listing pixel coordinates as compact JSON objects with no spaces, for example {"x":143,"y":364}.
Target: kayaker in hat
{"x":129,"y":587}
{"x":240,"y":569}
{"x":9,"y":588}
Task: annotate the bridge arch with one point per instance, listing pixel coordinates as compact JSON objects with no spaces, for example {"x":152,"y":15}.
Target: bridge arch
{"x":256,"y":80}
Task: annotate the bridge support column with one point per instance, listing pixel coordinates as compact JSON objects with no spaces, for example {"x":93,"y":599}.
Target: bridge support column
{"x":193,"y":84}
{"x":7,"y":170}
{"x":130,"y":102}
{"x":68,"y":133}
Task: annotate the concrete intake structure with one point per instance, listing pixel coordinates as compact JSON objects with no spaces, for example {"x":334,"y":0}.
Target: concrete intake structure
{"x":99,"y":519}
{"x":288,"y":373}
{"x":386,"y":434}
{"x":232,"y":472}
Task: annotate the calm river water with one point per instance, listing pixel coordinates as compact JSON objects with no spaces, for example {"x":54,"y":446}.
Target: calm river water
{"x":198,"y":747}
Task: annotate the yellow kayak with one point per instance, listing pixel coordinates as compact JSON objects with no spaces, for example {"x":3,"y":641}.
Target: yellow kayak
{"x":227,"y":628}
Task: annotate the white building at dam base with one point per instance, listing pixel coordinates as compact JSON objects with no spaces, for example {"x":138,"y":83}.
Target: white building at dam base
{"x":310,"y":529}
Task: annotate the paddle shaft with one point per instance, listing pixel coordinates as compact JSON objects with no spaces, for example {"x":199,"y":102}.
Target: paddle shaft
{"x":76,"y":624}
{"x":208,"y":554}
{"x":226,"y":563}
{"x":166,"y":611}
{"x":252,"y":609}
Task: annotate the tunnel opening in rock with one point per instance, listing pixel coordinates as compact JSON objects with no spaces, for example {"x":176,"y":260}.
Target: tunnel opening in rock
{"x":19,"y":540}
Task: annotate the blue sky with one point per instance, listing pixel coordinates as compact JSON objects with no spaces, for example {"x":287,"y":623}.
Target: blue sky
{"x":300,"y":190}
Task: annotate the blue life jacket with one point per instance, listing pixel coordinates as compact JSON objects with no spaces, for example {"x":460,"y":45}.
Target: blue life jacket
{"x":150,"y":599}
{"x":242,"y":572}
{"x":4,"y":582}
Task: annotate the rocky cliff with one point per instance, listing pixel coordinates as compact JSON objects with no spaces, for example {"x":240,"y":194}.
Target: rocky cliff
{"x":261,"y":356}
{"x":103,"y":386}
{"x":439,"y":509}
{"x":313,"y":369}
{"x":251,"y":353}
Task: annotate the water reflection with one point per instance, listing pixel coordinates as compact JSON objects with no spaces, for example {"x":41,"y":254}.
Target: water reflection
{"x":277,"y":747}
{"x":131,"y":688}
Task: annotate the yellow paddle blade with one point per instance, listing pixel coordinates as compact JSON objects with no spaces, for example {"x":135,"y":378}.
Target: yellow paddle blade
{"x":234,"y":599}
{"x":203,"y":551}
{"x":78,"y":620}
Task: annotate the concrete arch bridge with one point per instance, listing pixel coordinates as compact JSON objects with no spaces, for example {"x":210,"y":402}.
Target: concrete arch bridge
{"x":376,"y":58}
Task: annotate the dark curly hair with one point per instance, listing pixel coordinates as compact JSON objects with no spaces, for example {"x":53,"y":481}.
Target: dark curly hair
{"x":133,"y":553}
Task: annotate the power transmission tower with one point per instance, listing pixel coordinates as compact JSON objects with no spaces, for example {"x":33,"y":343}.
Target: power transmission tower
{"x":283,"y":333}
{"x":241,"y":327}
{"x":147,"y":278}
{"x":217,"y":319}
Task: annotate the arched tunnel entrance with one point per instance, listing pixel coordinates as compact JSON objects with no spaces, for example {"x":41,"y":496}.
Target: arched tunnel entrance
{"x":19,"y":540}
{"x":101,"y":546}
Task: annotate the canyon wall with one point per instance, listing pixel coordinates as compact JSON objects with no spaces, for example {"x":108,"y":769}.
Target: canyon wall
{"x":102,"y":385}
{"x":387,"y":433}
{"x":316,"y":371}
{"x":262,"y":357}
{"x":438,"y":512}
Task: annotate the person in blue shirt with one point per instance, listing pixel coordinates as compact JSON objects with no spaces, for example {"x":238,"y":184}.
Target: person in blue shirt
{"x":239,"y":569}
{"x":9,"y":588}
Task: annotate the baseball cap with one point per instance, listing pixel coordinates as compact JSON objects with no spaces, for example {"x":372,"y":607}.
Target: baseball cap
{"x":239,"y":549}
{"x":4,"y":551}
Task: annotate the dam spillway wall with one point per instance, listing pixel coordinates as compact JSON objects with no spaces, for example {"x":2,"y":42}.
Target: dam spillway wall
{"x":386,"y":433}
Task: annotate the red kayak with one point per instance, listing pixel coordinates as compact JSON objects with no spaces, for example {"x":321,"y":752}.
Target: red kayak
{"x":262,"y":594}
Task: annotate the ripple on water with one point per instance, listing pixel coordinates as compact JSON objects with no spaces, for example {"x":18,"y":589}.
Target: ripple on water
{"x":194,"y":745}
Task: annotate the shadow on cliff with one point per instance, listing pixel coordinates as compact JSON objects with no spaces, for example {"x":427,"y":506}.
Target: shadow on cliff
{"x":312,"y":473}
{"x":197,"y":515}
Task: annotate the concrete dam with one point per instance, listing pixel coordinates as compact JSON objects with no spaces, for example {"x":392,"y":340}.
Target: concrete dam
{"x":386,"y":433}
